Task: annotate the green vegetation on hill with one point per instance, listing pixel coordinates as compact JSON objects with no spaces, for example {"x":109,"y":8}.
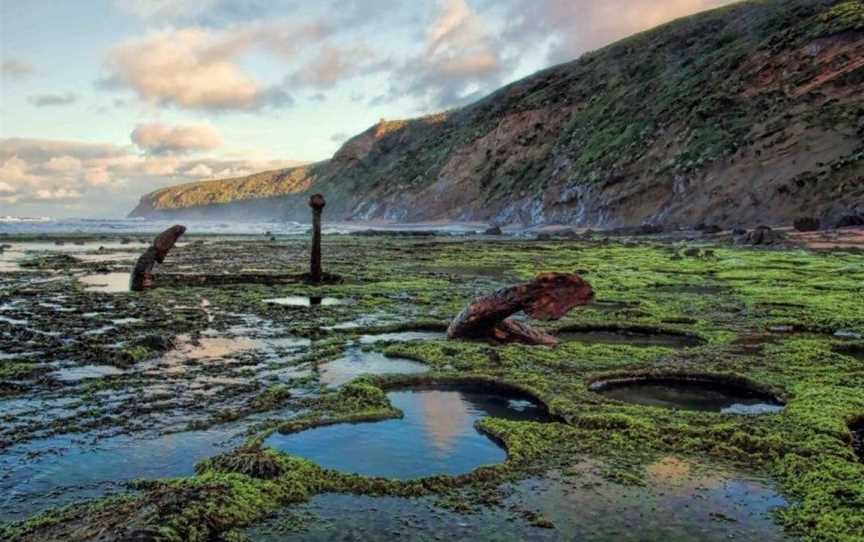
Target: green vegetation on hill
{"x":746,"y":113}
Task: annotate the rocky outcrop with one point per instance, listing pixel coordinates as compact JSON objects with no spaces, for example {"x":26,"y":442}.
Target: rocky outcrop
{"x":746,"y":115}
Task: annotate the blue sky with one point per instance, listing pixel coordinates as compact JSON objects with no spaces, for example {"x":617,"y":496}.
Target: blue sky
{"x":105,"y":100}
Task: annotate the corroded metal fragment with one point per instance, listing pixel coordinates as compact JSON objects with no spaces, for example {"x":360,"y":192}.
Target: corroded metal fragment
{"x":548,"y":297}
{"x":142,"y":275}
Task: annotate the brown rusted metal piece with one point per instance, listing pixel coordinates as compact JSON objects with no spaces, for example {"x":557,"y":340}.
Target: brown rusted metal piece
{"x":317,"y":203}
{"x":548,"y":297}
{"x":142,"y":275}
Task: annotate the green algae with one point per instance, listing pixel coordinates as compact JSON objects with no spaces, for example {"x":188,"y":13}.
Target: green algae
{"x":805,"y":448}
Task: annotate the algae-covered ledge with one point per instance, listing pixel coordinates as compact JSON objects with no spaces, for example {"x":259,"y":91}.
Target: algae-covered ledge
{"x":771,"y":322}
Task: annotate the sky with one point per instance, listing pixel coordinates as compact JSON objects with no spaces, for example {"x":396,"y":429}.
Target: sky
{"x":102,"y":101}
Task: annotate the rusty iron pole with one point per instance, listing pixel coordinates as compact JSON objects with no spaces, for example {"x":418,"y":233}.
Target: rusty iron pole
{"x":317,"y":203}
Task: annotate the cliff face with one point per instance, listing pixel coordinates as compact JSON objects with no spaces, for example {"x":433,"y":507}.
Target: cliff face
{"x":749,"y":114}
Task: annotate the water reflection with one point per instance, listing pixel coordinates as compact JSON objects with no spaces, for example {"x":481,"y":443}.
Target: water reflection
{"x":689,"y":395}
{"x":106,"y":282}
{"x":306,"y":301}
{"x":357,"y":362}
{"x":435,"y":436}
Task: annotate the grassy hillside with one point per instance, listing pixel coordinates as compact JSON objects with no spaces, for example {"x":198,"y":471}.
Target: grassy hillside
{"x":753,"y":112}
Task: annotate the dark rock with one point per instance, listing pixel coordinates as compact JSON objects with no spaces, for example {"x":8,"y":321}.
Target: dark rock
{"x":650,"y":229}
{"x":807,"y":224}
{"x":712,"y":229}
{"x":739,"y":231}
{"x":158,"y":343}
{"x":845,"y":216}
{"x":494,"y":230}
{"x":396,"y":233}
{"x":693,"y":253}
{"x":761,"y":236}
{"x":850,"y":221}
{"x":544,"y":236}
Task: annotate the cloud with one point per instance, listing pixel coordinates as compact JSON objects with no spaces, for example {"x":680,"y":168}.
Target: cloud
{"x":51,"y":99}
{"x":100,"y":178}
{"x":165,"y":9}
{"x":339,"y":137}
{"x":158,"y":138}
{"x":461,"y":59}
{"x":184,"y":68}
{"x":15,"y":69}
{"x":197,"y":68}
{"x":571,"y":28}
{"x":332,"y":65}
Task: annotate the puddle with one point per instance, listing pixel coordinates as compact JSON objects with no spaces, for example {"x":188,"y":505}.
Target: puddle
{"x":357,"y":362}
{"x":853,"y":350}
{"x":857,"y":430}
{"x":82,"y":471}
{"x":305,"y":301}
{"x":10,"y":267}
{"x":403,"y":336}
{"x":683,"y":502}
{"x":106,"y":282}
{"x":107,"y":257}
{"x":500,"y":273}
{"x":359,"y":518}
{"x":689,"y":394}
{"x":74,"y":374}
{"x":628,"y":337}
{"x":435,"y":436}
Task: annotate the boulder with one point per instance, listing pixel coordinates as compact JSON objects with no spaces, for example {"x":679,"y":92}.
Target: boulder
{"x":761,"y":236}
{"x":844,"y":216}
{"x":493,"y":230}
{"x":807,"y":223}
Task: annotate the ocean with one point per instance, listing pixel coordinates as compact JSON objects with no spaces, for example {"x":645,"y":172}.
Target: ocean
{"x":90,"y":226}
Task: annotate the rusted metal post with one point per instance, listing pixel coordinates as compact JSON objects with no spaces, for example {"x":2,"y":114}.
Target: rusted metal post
{"x":317,"y":203}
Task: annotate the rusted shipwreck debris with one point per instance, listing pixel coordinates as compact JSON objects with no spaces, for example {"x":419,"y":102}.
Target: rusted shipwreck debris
{"x":548,"y":297}
{"x":142,"y":274}
{"x":315,"y":274}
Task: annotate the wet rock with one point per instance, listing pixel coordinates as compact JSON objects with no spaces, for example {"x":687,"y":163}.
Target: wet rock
{"x":850,"y":221}
{"x":401,"y":233}
{"x":548,"y":297}
{"x":845,"y":217}
{"x":807,"y":224}
{"x":494,"y":230}
{"x":761,"y":236}
{"x":158,"y":343}
{"x":650,"y":229}
{"x":254,"y":462}
{"x":709,"y":229}
{"x":693,"y":253}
